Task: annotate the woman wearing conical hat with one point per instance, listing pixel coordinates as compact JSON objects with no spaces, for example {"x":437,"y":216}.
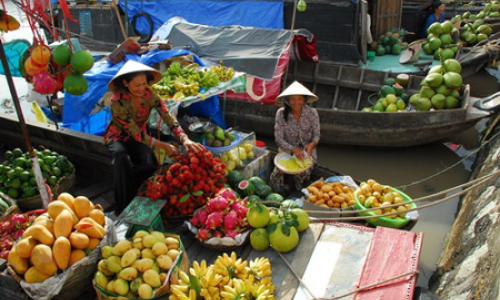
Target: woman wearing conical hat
{"x":127,"y":136}
{"x":296,"y":131}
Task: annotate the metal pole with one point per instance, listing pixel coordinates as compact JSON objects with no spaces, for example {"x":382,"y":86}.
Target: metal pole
{"x":292,"y":27}
{"x":24,"y":129}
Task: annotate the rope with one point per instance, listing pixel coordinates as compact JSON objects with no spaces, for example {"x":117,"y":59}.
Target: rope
{"x":425,"y":198}
{"x":398,"y":213}
{"x":402,"y":187}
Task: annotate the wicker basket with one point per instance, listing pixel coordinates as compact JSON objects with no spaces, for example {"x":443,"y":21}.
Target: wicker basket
{"x":13,"y":209}
{"x":63,"y":185}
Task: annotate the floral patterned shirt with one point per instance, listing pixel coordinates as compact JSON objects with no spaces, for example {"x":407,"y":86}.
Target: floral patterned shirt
{"x":130,"y":122}
{"x":296,"y":134}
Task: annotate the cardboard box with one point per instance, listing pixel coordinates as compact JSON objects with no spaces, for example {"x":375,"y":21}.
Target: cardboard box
{"x":130,"y":46}
{"x":261,"y":166}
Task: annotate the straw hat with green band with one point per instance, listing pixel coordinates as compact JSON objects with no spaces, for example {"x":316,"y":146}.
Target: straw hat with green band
{"x":297,"y":89}
{"x":133,"y":67}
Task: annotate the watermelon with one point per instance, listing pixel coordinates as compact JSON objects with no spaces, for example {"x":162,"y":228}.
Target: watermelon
{"x":233,"y":178}
{"x":253,"y":198}
{"x":275,"y":198}
{"x":397,"y":89}
{"x":389,"y":81}
{"x":263,"y":190}
{"x":245,"y":188}
{"x":288,"y":203}
{"x":256,"y":181}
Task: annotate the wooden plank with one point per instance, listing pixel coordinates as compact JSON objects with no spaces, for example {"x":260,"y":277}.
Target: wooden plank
{"x":94,"y":190}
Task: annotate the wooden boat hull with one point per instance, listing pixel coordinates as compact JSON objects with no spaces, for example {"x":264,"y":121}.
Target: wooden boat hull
{"x":342,"y":92}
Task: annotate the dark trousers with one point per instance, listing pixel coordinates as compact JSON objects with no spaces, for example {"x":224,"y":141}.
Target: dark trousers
{"x":133,"y":162}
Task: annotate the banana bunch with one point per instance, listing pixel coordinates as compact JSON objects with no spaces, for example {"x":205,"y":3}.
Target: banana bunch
{"x":229,"y":278}
{"x":186,"y":86}
{"x":164,"y":87}
{"x":224,"y":74}
{"x":206,"y":79}
{"x":174,"y":70}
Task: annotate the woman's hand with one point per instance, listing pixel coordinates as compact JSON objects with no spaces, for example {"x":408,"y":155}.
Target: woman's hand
{"x":299,"y":153}
{"x":170,"y":149}
{"x":192,"y":146}
{"x":309,"y":148}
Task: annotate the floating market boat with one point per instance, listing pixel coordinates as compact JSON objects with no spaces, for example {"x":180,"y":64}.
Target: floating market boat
{"x":343,"y":91}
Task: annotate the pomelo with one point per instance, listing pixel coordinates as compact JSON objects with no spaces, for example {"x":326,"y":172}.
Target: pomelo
{"x":302,"y":219}
{"x":75,"y":84}
{"x":258,"y":216}
{"x":391,"y":108}
{"x":400,"y":104}
{"x":62,"y":55}
{"x":284,"y":238}
{"x":81,"y":61}
{"x":259,"y":239}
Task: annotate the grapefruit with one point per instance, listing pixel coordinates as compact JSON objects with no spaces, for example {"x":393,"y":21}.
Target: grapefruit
{"x":259,"y":239}
{"x":75,"y":84}
{"x":302,"y":219}
{"x":62,"y":55}
{"x":81,"y":61}
{"x":258,"y":216}
{"x":284,"y":238}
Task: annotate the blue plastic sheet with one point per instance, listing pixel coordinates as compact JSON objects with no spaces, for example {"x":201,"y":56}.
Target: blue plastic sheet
{"x":263,"y":14}
{"x":76,"y":109}
{"x":13,"y":51}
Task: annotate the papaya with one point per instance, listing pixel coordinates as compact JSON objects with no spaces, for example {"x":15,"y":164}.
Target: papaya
{"x":83,"y":206}
{"x":89,"y":229}
{"x":97,"y":215}
{"x":63,"y":224}
{"x":93,"y":243}
{"x":40,"y":233}
{"x":25,"y":246}
{"x":62,"y":252}
{"x":19,"y":264}
{"x":33,"y":275}
{"x":97,"y":225}
{"x":56,"y":207}
{"x":79,"y":240}
{"x":42,"y":259}
{"x":45,"y":222}
{"x":68,"y":199}
{"x":76,"y":256}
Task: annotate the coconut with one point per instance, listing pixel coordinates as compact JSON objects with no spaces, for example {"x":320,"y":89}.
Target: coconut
{"x":452,"y":65}
{"x":426,"y":92}
{"x":434,"y":80}
{"x":452,"y":79}
{"x":438,"y":101}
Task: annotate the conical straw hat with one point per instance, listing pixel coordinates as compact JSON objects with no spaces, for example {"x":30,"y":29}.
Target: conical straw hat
{"x":132,"y":67}
{"x":297,"y":89}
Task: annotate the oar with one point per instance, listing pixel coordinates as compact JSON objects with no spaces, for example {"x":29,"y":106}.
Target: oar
{"x":490,"y":103}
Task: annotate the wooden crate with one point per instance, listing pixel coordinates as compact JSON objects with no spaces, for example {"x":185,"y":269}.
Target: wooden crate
{"x":386,"y":14}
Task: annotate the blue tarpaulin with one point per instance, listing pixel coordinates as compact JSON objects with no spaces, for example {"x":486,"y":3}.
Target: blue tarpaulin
{"x":13,"y":51}
{"x":76,"y":109}
{"x":263,"y":14}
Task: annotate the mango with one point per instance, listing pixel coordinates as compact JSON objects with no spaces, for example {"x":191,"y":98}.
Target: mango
{"x":121,"y":247}
{"x":152,"y":278}
{"x":128,"y":274}
{"x":164,"y":262}
{"x":121,"y":287}
{"x":102,"y":267}
{"x":106,"y":251}
{"x":173,"y":253}
{"x":101,"y":279}
{"x":134,"y":285}
{"x":149,"y":240}
{"x":159,"y":249}
{"x":19,"y":264}
{"x":163,"y":277}
{"x":114,"y":265}
{"x":137,"y":243}
{"x":63,"y":224}
{"x":129,"y":257}
{"x":56,"y":207}
{"x":79,"y":240}
{"x":111,"y":287}
{"x":159,"y":235}
{"x":147,"y":253}
{"x":172,"y":243}
{"x":145,"y":264}
{"x":156,"y":268}
{"x":34,"y":275}
{"x":135,"y":265}
{"x":89,"y":229}
{"x":76,"y":256}
{"x":137,"y":251}
{"x":140,"y":234}
{"x":98,"y":216}
{"x":145,"y":291}
{"x":42,"y":259}
{"x":68,"y":199}
{"x":62,"y":252}
{"x":39,"y":233}
{"x":25,"y":246}
{"x":83,"y":206}
{"x":93,"y":243}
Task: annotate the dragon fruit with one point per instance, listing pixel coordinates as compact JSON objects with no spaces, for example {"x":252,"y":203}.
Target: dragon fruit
{"x":202,"y":215}
{"x":44,"y":83}
{"x":240,"y":208}
{"x":195,"y":221}
{"x":231,"y":220}
{"x":5,"y":243}
{"x":4,"y":254}
{"x":203,"y":234}
{"x":218,"y":234}
{"x":18,"y":220}
{"x":231,"y":233}
{"x":218,"y":203}
{"x":214,"y":220}
{"x":17,"y":234}
{"x":227,"y":193}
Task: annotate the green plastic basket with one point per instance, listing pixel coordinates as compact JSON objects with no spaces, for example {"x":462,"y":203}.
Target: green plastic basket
{"x":383,"y":221}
